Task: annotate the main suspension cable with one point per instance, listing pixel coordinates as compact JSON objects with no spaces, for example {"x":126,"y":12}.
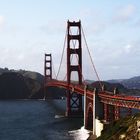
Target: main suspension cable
{"x":54,"y":70}
{"x":93,"y":66}
{"x":62,"y":55}
{"x":71,"y":58}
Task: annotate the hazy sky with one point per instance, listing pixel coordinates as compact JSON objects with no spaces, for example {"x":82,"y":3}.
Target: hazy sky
{"x":30,"y":28}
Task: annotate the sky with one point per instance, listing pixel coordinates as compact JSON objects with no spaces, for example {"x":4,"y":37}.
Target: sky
{"x":31,"y":28}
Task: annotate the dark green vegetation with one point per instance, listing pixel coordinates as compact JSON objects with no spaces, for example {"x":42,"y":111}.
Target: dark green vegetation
{"x":21,"y":84}
{"x":124,"y":128}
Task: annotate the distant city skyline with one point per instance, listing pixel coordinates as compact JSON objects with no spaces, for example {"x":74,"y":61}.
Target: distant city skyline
{"x":31,"y":28}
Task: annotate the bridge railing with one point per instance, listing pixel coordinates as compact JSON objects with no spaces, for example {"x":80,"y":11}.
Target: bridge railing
{"x":119,"y":100}
{"x":120,"y":96}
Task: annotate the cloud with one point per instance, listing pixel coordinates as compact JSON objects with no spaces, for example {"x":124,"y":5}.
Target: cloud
{"x":22,"y":57}
{"x":128,"y":48}
{"x":137,"y":23}
{"x":2,"y":21}
{"x":125,"y":13}
{"x":116,"y":59}
{"x":98,"y":27}
{"x":93,"y":20}
{"x":132,"y":49}
{"x":53,"y":27}
{"x":115,"y":67}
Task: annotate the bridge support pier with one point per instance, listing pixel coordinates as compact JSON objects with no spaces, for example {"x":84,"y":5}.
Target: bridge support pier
{"x":117,"y":112}
{"x":89,"y":112}
{"x":85,"y":107}
{"x":129,"y":112}
{"x":106,"y":112}
{"x":116,"y":108}
{"x":94,"y":113}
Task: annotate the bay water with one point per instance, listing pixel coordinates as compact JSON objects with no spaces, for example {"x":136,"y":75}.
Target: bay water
{"x":38,"y":120}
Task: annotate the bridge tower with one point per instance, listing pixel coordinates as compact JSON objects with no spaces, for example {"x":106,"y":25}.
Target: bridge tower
{"x":48,"y":67}
{"x":47,"y":71}
{"x":74,"y":101}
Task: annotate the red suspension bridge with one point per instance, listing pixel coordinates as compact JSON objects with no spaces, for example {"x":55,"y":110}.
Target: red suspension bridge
{"x":111,"y":102}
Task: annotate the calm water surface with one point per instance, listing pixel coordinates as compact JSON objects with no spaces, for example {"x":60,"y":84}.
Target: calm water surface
{"x":38,"y":120}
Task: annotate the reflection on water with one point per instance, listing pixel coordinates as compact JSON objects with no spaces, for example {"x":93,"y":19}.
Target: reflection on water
{"x":38,"y":120}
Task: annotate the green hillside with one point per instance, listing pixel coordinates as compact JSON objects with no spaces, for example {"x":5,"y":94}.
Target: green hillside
{"x":123,"y":129}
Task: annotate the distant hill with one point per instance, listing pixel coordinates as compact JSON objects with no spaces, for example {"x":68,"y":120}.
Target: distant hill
{"x":132,"y":83}
{"x":108,"y":86}
{"x":88,"y":81}
{"x":115,"y":80}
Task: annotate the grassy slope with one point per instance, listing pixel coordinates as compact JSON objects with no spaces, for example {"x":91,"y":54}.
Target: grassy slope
{"x":126,"y":126}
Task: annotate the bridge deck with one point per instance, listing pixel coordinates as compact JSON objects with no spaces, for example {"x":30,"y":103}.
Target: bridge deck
{"x":105,"y":96}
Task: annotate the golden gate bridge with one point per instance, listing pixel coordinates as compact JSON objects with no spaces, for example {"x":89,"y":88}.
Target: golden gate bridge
{"x":112,"y":102}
